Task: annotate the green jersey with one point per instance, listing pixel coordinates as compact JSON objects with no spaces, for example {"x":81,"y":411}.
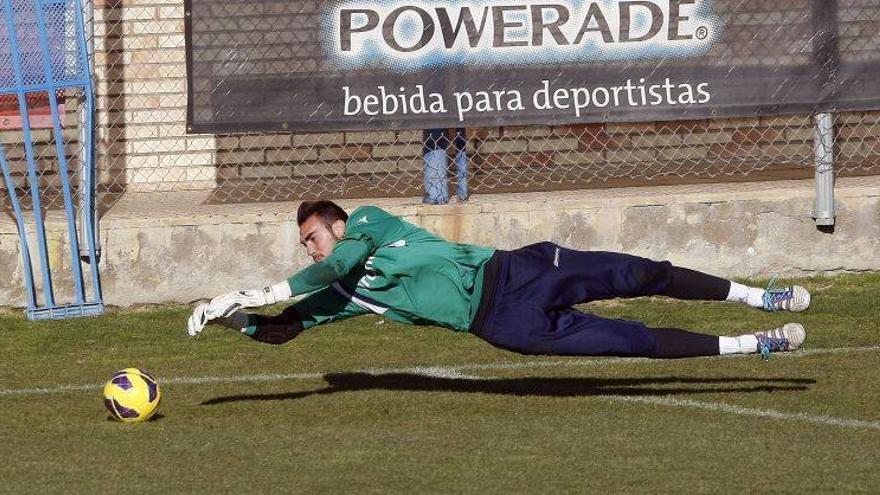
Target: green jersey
{"x":393,"y":268}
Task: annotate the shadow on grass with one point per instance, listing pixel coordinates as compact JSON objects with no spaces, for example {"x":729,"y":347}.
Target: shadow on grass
{"x":542,"y":387}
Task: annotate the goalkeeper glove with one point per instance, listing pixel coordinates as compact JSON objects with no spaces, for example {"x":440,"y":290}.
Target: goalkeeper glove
{"x":223,"y":306}
{"x":197,"y":320}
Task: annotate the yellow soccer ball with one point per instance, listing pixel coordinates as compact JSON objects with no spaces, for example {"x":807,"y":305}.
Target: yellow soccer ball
{"x":132,"y":395}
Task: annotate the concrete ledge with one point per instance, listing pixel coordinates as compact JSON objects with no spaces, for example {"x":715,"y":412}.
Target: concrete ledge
{"x":165,"y":247}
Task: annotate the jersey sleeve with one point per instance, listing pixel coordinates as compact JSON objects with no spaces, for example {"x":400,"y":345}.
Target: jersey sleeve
{"x":349,"y":253}
{"x":325,"y":306}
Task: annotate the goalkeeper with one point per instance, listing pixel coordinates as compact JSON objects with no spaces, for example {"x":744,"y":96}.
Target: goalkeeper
{"x":521,"y":300}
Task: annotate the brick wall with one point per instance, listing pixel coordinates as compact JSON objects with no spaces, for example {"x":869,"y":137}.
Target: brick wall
{"x":141,"y":88}
{"x":143,"y":143}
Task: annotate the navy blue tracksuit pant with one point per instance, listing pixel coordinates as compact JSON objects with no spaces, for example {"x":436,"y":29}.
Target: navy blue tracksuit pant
{"x":536,"y":286}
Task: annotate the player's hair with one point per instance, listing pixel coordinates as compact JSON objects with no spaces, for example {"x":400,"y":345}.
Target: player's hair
{"x":327,"y":211}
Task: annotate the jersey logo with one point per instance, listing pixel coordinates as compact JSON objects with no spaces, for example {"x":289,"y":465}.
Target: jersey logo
{"x":363,"y":219}
{"x":370,"y":275}
{"x":556,"y":258}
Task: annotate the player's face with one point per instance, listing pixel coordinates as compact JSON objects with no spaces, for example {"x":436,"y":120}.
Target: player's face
{"x":317,"y":238}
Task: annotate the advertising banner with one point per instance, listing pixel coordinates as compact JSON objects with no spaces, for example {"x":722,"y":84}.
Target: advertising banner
{"x":329,"y":65}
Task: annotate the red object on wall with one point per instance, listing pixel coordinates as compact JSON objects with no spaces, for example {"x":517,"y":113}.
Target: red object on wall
{"x":38,"y":111}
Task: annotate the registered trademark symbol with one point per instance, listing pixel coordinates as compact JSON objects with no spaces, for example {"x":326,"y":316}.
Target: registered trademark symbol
{"x":702,"y":33}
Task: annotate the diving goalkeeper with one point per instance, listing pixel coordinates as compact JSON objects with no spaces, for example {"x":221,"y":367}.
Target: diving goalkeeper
{"x":520,"y":300}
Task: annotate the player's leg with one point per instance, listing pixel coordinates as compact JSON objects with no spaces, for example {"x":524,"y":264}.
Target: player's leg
{"x":771,"y":298}
{"x":554,"y":277}
{"x":528,"y":330}
{"x":691,"y":284}
{"x":674,"y":343}
{"x":557,"y":277}
{"x":785,"y":338}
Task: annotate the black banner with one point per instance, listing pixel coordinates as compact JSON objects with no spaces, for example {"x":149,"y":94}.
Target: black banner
{"x":328,"y":65}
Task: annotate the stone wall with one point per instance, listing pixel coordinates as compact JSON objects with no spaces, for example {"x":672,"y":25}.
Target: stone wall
{"x":188,"y":250}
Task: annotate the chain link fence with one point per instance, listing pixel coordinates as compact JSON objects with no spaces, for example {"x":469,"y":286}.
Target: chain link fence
{"x":143,"y":146}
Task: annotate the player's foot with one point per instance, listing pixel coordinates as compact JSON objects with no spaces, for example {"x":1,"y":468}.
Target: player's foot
{"x":792,"y":298}
{"x":786,"y":338}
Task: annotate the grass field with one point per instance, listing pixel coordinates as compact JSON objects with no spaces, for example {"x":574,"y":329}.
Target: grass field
{"x":369,"y":406}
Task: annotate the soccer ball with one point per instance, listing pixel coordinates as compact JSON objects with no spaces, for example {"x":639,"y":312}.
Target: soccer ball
{"x":132,"y":395}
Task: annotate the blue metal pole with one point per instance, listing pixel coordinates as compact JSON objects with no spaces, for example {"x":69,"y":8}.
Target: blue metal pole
{"x":29,"y":153}
{"x":30,"y":290}
{"x":62,"y":158}
{"x":90,"y":217}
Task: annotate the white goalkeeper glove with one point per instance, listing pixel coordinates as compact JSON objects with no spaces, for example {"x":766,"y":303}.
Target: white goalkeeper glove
{"x":197,"y":320}
{"x":223,"y":306}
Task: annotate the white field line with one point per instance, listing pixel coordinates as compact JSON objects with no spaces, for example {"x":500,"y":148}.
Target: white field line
{"x":445,"y":371}
{"x":745,"y":411}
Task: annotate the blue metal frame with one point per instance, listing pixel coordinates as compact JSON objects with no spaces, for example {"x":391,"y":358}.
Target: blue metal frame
{"x":83,"y":305}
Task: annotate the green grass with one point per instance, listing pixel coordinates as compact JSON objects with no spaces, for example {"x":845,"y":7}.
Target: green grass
{"x":561,"y":427}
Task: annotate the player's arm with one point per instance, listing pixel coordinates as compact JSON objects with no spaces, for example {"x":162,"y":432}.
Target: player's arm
{"x":321,"y":307}
{"x":349,"y":252}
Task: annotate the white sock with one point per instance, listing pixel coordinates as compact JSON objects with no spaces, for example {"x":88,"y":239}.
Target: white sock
{"x":744,"y":344}
{"x":753,"y":296}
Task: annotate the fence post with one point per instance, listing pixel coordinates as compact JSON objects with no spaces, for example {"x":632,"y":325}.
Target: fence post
{"x":823,"y":143}
{"x":826,"y":61}
{"x":88,"y":210}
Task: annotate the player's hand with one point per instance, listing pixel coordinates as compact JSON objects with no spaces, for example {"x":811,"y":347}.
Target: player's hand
{"x":197,"y":320}
{"x":223,"y":306}
{"x":227,"y":304}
